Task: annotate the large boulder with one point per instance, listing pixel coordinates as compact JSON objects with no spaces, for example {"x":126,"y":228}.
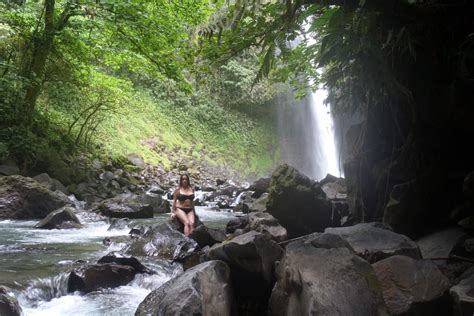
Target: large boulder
{"x":60,"y":219}
{"x":202,"y":290}
{"x":412,"y":287}
{"x":298,"y":203}
{"x":251,"y":256}
{"x":251,"y":252}
{"x":374,"y":241}
{"x":321,"y":275}
{"x":25,"y":198}
{"x":164,"y":242}
{"x":8,"y":304}
{"x":50,"y":183}
{"x":107,"y":275}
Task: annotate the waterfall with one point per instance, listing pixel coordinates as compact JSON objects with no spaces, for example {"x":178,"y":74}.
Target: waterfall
{"x":306,"y":135}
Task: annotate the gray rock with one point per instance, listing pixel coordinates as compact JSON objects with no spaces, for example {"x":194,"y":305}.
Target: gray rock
{"x":265,"y":223}
{"x":107,"y":276}
{"x":298,"y":203}
{"x":260,"y":204}
{"x":462,"y":295}
{"x":50,"y":183}
{"x":129,"y":210}
{"x":60,"y":219}
{"x":251,"y":252}
{"x":412,"y":287}
{"x":440,"y":244}
{"x":320,"y":275}
{"x":8,"y":303}
{"x":25,"y":198}
{"x":204,"y":289}
{"x":8,"y":170}
{"x":260,"y":186}
{"x":206,"y":236}
{"x":374,"y":241}
{"x":164,"y":242}
{"x":136,"y":160}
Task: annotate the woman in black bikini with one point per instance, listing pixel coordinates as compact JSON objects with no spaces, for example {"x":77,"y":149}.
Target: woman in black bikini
{"x":183,"y":205}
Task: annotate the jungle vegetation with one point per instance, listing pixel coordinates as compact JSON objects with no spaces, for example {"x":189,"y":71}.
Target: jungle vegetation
{"x":69,"y":66}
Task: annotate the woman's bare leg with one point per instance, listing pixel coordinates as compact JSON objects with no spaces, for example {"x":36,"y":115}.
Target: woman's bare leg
{"x":191,"y":219}
{"x":183,"y":218}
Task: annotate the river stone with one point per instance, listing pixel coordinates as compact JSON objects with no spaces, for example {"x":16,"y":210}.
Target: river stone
{"x":374,"y":241}
{"x":463,"y":297}
{"x":260,"y":186}
{"x":206,"y":236}
{"x":25,"y":198}
{"x":298,"y":203}
{"x":120,"y":259}
{"x":107,"y":276}
{"x":204,"y":289}
{"x":60,"y":219}
{"x":260,"y":204}
{"x":8,"y":303}
{"x":50,"y":183}
{"x":164,"y":242}
{"x":321,"y":275}
{"x":412,"y":287}
{"x":265,"y":223}
{"x":129,"y":210}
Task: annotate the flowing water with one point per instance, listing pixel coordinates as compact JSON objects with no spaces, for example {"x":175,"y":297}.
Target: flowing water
{"x":306,"y":134}
{"x":35,"y":264}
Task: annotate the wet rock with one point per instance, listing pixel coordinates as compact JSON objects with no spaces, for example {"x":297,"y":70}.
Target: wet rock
{"x":25,"y":198}
{"x":130,"y":210}
{"x":374,"y":241}
{"x":8,"y":303}
{"x":298,"y":203}
{"x":62,"y":218}
{"x":120,"y":259}
{"x":164,"y":242}
{"x":202,"y":290}
{"x":118,"y":223}
{"x":107,"y":276}
{"x":412,"y":287}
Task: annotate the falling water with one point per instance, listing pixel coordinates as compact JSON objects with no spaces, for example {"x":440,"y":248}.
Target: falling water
{"x":306,"y":133}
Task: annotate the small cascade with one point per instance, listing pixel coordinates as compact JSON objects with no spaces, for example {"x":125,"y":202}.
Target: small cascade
{"x":44,"y":290}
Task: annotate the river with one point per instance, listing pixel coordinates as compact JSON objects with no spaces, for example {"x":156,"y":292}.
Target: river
{"x":35,"y":264}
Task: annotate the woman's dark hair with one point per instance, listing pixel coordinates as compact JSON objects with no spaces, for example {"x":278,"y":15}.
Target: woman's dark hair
{"x":181,"y":180}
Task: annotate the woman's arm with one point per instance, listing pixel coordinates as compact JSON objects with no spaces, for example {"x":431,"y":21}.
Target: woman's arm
{"x":175,"y":195}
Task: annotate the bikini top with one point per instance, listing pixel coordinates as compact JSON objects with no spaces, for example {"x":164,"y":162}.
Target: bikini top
{"x":183,"y":197}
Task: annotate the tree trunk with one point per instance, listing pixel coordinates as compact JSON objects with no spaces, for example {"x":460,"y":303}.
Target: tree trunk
{"x":34,"y":72}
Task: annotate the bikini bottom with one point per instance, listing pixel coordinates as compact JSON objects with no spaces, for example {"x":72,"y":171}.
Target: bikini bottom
{"x":185,"y":209}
